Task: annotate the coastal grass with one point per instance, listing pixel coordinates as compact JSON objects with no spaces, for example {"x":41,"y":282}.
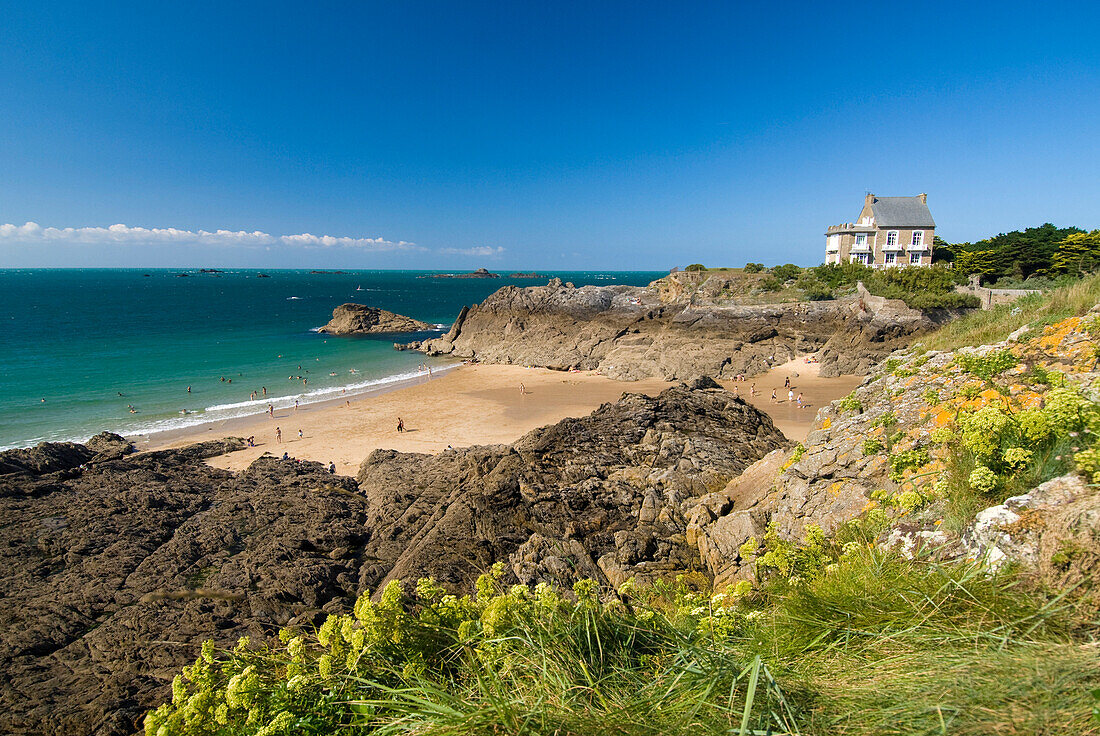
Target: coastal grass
{"x":876,"y":644}
{"x":996,"y":324}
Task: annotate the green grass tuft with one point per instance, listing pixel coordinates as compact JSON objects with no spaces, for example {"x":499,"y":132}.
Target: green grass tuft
{"x":995,"y":325}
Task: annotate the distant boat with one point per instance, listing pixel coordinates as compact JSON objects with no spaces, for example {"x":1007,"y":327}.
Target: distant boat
{"x":358,"y":288}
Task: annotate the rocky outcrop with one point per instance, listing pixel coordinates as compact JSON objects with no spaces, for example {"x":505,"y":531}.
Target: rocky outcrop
{"x":674,"y":330}
{"x":887,"y":447}
{"x":357,"y":319}
{"x":52,"y":457}
{"x":115,"y":570}
{"x":115,"y":567}
{"x":481,"y":273}
{"x":606,"y":496}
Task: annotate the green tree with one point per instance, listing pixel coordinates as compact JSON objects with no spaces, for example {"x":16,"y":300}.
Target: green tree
{"x":1078,"y":254}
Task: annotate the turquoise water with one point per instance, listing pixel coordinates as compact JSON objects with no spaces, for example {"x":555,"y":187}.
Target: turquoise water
{"x":78,"y":338}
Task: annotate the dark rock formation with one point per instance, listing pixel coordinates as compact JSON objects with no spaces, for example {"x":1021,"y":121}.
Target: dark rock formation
{"x":114,"y":573}
{"x":604,"y":497}
{"x":357,"y":319}
{"x":670,"y":331}
{"x":115,"y":568}
{"x":52,"y":457}
{"x":521,"y":275}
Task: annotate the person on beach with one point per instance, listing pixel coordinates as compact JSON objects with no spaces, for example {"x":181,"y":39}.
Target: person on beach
{"x":331,"y":467}
{"x":522,"y":390}
{"x":286,"y":456}
{"x":799,"y":400}
{"x":264,"y":388}
{"x":790,"y":395}
{"x":347,"y":403}
{"x":300,"y":431}
{"x":752,"y":390}
{"x":278,"y":435}
{"x":774,"y":397}
{"x":252,"y":396}
{"x":188,"y":389}
{"x":251,"y":440}
{"x":271,"y":410}
{"x":295,"y":404}
{"x":400,"y":425}
{"x":787,"y":382}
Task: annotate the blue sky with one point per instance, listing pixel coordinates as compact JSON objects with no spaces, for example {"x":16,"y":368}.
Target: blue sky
{"x":537,"y":135}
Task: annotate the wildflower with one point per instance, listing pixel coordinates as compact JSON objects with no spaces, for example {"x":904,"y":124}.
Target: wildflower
{"x":982,"y":480}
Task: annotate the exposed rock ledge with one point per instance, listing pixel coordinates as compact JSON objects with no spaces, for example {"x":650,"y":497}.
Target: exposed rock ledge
{"x":666,"y":330}
{"x":357,"y":319}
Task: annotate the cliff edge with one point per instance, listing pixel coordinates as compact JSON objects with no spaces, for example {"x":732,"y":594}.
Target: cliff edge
{"x":674,"y":331}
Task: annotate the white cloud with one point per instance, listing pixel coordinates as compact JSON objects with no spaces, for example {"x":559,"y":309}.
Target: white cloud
{"x":480,"y":250}
{"x":32,"y":232}
{"x":308,"y":240}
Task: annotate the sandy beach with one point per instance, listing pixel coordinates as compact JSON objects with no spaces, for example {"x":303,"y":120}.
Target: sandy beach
{"x":478,"y":404}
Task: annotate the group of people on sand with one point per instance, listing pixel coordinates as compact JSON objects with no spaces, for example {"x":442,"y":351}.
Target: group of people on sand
{"x":791,"y":398}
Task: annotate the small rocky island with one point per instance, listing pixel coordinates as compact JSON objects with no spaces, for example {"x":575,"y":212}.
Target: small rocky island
{"x":358,"y":319}
{"x":481,"y":273}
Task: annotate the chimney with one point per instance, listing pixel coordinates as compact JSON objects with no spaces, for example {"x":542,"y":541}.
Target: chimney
{"x":923,"y":198}
{"x":869,"y":199}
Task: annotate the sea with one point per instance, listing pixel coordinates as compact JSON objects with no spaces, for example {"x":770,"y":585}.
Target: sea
{"x":88,"y":350}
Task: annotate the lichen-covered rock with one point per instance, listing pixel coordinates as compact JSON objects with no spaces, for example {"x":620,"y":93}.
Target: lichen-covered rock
{"x":886,"y":448}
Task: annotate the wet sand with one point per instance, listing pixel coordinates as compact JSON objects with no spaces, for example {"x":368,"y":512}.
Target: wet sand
{"x":475,"y":405}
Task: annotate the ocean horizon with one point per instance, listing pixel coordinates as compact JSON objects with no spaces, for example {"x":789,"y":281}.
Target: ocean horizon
{"x":89,"y":350}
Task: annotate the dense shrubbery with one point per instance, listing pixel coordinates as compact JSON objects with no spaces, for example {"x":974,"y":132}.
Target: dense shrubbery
{"x":919,"y":288}
{"x":696,"y":267}
{"x":751,"y":267}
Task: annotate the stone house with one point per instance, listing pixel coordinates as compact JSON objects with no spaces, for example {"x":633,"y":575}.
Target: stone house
{"x":889,"y":232}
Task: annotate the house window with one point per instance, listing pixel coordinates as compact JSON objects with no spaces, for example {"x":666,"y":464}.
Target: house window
{"x":918,"y":238}
{"x":914,"y":258}
{"x":861,"y":241}
{"x":833,"y":243}
{"x":892,"y":239}
{"x":864,"y":258}
{"x":891,"y":258}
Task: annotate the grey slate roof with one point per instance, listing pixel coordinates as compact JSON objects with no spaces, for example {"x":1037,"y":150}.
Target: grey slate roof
{"x":901,"y":212}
